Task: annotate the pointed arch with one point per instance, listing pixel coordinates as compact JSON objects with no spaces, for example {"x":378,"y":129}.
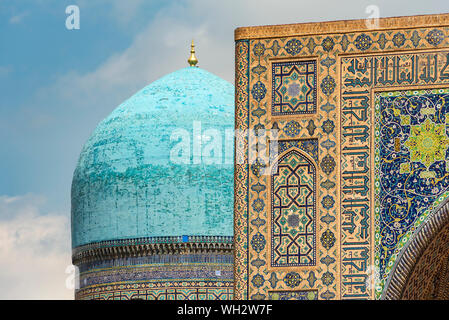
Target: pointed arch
{"x":421,"y":270}
{"x":293,"y":210}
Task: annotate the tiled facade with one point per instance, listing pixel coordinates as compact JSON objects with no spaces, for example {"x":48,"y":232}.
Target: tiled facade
{"x":379,"y":119}
{"x":164,"y":273}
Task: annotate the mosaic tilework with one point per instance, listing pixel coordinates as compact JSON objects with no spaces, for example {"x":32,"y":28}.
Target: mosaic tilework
{"x":261,"y":278}
{"x":293,"y":185}
{"x":168,"y":276}
{"x":414,"y":244}
{"x":309,"y":146}
{"x":138,"y":291}
{"x":294,"y":87}
{"x":361,"y":78}
{"x":351,"y":66}
{"x":412,"y":167}
{"x":241,"y":170}
{"x":293,"y":295}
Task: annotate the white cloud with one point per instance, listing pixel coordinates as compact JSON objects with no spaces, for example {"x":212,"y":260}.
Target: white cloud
{"x":163,"y":45}
{"x":125,"y":11}
{"x":34,"y":250}
{"x":161,"y":48}
{"x":18,"y":18}
{"x":35,"y":247}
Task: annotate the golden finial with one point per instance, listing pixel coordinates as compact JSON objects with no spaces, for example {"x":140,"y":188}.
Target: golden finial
{"x":192,"y":59}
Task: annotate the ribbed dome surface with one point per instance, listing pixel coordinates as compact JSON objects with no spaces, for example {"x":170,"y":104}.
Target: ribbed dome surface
{"x":126,"y":185}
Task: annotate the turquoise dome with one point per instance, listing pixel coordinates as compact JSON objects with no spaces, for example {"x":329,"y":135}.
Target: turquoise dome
{"x":129,"y":182}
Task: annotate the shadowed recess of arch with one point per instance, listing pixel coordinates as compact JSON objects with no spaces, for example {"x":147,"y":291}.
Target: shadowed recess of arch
{"x":414,"y":251}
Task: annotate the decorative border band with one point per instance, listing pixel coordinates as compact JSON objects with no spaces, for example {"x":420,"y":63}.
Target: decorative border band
{"x":341,"y":26}
{"x":115,"y":249}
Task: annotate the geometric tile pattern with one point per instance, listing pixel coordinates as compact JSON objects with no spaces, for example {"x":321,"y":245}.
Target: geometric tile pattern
{"x":139,"y":292}
{"x":353,"y":62}
{"x":205,"y":276}
{"x":294,"y":87}
{"x":309,"y":146}
{"x":293,"y":185}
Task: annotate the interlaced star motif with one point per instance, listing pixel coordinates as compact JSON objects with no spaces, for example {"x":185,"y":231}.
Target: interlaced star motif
{"x":427,"y":143}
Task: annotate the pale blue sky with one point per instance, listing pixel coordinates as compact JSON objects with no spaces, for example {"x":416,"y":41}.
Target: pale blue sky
{"x":56,"y":85}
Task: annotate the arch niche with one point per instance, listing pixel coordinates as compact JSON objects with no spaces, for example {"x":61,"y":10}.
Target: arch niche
{"x":421,"y":272}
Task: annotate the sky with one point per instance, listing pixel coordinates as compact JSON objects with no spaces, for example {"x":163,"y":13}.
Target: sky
{"x":57,"y":84}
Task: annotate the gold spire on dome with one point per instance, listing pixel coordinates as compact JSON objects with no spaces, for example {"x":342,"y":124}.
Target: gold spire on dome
{"x":192,"y":59}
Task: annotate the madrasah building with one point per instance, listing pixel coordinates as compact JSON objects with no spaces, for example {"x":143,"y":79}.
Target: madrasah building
{"x":335,"y":185}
